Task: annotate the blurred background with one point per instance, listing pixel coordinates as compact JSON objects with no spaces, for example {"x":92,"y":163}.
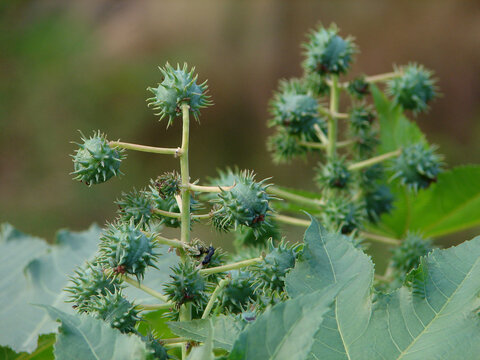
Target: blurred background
{"x":68,"y":65}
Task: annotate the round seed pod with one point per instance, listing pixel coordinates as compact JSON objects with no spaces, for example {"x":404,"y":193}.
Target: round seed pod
{"x":157,"y":351}
{"x":414,"y":89}
{"x":270,"y":274}
{"x":333,"y":174}
{"x":96,"y":161}
{"x":187,"y":285}
{"x":90,"y":282}
{"x":343,"y":215}
{"x":239,"y":292}
{"x":114,"y":309}
{"x":328,"y":53}
{"x":168,"y":184}
{"x":358,"y":87}
{"x":178,"y":86}
{"x":418,"y":166}
{"x":136,"y":206}
{"x":378,"y":201}
{"x":361,"y":118}
{"x":285,"y":147}
{"x":247,"y":203}
{"x":126,"y":249}
{"x":407,"y":255}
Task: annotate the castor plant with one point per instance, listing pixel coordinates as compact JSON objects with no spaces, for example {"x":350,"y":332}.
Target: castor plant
{"x":129,"y":291}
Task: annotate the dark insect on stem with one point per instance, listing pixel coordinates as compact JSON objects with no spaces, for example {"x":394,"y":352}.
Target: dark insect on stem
{"x":209,"y":253}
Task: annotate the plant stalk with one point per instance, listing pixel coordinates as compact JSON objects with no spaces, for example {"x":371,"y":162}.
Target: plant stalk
{"x":233,"y":266}
{"x":287,"y":195}
{"x":221,"y":285}
{"x":375,"y":160}
{"x":144,"y":148}
{"x":185,"y":175}
{"x":168,"y":305}
{"x":332,"y":121}
{"x":210,"y":189}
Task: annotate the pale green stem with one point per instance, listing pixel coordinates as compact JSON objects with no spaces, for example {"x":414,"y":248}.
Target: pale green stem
{"x":167,"y":213}
{"x":291,"y":220}
{"x":210,"y":189}
{"x":221,"y":285}
{"x":233,"y":266}
{"x":170,"y":242}
{"x":383,"y":77}
{"x":332,"y":121}
{"x":185,"y":315}
{"x":320,"y":134}
{"x":335,"y":114}
{"x":287,"y":195}
{"x":201,"y":216}
{"x":144,"y":148}
{"x":380,"y":238}
{"x":168,"y":305}
{"x":313,"y":145}
{"x":374,"y":160}
{"x":173,"y":341}
{"x":185,"y":174}
{"x":138,"y":285}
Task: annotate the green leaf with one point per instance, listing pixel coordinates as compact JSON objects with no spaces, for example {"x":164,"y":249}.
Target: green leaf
{"x":84,"y":337}
{"x":204,"y":352}
{"x":286,"y":330}
{"x":396,"y":130}
{"x":450,"y":205}
{"x":225,"y":329}
{"x":44,"y":350}
{"x":329,"y":259}
{"x":35,"y":272}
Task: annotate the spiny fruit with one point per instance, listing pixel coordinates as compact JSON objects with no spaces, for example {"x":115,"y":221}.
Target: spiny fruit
{"x":361,"y":118}
{"x":417,"y":166}
{"x":333,"y":174}
{"x":136,"y":205}
{"x":358,"y":87}
{"x":247,"y":203}
{"x":89,"y":282}
{"x":378,"y":200}
{"x":239,"y":292}
{"x":414,"y":89}
{"x":245,"y":237}
{"x":270,"y":274}
{"x":295,"y":110}
{"x":285,"y":147}
{"x":186,"y":285}
{"x":342,"y":214}
{"x":328,"y":53}
{"x":178,"y":86}
{"x":407,"y":256}
{"x":157,"y":351}
{"x":117,"y":311}
{"x":126,"y":249}
{"x":96,"y":161}
{"x":168,"y":184}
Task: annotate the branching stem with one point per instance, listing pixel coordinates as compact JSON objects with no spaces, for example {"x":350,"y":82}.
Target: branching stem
{"x":210,"y":189}
{"x":168,"y":305}
{"x":185,"y":175}
{"x":221,"y":285}
{"x":233,"y":266}
{"x":144,"y":148}
{"x":287,"y":195}
{"x":135,"y":283}
{"x":375,"y":160}
{"x":332,"y":120}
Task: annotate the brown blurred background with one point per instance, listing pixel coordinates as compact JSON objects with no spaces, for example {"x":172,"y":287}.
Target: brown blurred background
{"x":68,"y":65}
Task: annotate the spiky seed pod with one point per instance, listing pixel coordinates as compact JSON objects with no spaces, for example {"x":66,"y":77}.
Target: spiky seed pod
{"x":187,"y":285}
{"x":418,"y":166}
{"x":168,"y":184}
{"x":315,"y":84}
{"x":366,"y":142}
{"x":285,"y":147}
{"x":96,"y":161}
{"x":245,"y":237}
{"x":295,"y":111}
{"x":239,"y":292}
{"x":328,"y":53}
{"x":358,"y":87}
{"x":117,"y":311}
{"x":136,"y":205}
{"x":343,"y":215}
{"x":414,"y":89}
{"x":378,"y":201}
{"x":90,"y":282}
{"x":126,"y":249}
{"x":157,"y":351}
{"x":370,"y":175}
{"x":361,"y":118}
{"x":407,"y":255}
{"x":219,"y":219}
{"x":333,"y":174}
{"x":270,"y":274}
{"x":247,"y":203}
{"x":178,"y":86}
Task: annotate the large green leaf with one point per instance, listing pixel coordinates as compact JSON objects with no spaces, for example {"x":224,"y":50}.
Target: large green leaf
{"x":285,"y":331}
{"x":435,"y":317}
{"x":44,"y":350}
{"x":34,"y":272}
{"x":396,"y":130}
{"x":225,"y":329}
{"x":329,"y":259}
{"x":204,"y":352}
{"x":451,"y":204}
{"x":84,"y":337}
